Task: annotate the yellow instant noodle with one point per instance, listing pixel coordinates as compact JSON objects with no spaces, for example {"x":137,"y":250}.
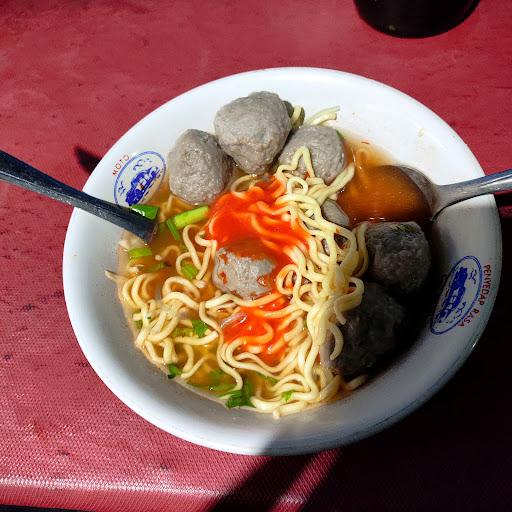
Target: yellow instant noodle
{"x":321,"y":284}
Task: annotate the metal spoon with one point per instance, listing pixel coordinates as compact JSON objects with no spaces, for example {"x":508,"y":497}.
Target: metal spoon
{"x":438,"y":197}
{"x":19,"y":173}
{"x":22,"y":174}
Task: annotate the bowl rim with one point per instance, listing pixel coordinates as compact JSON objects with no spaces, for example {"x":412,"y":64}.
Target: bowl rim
{"x":283,"y":448}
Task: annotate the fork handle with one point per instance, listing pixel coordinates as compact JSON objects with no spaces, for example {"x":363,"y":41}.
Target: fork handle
{"x":19,"y":173}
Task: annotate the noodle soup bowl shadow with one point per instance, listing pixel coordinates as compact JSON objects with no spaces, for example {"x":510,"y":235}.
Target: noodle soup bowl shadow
{"x":466,"y":238}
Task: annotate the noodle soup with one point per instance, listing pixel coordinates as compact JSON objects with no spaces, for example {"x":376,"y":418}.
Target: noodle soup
{"x":288,"y":334}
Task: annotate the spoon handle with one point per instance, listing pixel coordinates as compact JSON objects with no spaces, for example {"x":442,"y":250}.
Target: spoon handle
{"x":455,"y":192}
{"x":19,"y":173}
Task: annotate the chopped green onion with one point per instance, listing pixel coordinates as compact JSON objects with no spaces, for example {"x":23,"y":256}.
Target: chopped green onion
{"x":240,"y":397}
{"x":173,"y":371}
{"x":199,"y":327}
{"x":145,"y":210}
{"x":191,"y":217}
{"x":173,"y":229}
{"x":138,"y":324}
{"x":183,"y":332}
{"x":215,"y":376}
{"x":156,"y":267}
{"x":189,"y":271}
{"x":271,"y":380}
{"x":221,"y":388}
{"x":216,"y":385}
{"x":287,"y":395}
{"x":139,"y":252}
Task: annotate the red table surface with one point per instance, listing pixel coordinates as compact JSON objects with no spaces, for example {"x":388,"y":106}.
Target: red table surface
{"x":74,"y":76}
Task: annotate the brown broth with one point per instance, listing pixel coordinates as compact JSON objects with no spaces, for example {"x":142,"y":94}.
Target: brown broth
{"x":370,"y":196}
{"x":378,"y":193}
{"x":161,"y":242}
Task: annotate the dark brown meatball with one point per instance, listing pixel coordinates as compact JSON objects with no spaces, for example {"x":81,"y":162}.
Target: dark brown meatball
{"x":372,"y":330}
{"x":399,"y":256}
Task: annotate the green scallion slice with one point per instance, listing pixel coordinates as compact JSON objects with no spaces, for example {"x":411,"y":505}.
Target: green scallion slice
{"x":199,"y":327}
{"x":139,"y":252}
{"x":183,"y":332}
{"x":215,"y":376}
{"x":190,"y":217}
{"x":189,"y":271}
{"x":173,"y":371}
{"x":287,"y":395}
{"x":173,"y":229}
{"x":240,"y":397}
{"x":222,"y":388}
{"x":156,"y":267}
{"x":146,"y":210}
{"x":271,"y":380}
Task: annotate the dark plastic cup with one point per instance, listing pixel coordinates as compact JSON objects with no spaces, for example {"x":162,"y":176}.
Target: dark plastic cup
{"x":414,"y":18}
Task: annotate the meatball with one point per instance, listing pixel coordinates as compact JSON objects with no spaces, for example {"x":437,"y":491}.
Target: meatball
{"x":253,"y":129}
{"x":333,"y":212}
{"x":326,"y":148}
{"x":243,"y":271}
{"x":372,"y":330}
{"x":198,"y":169}
{"x":399,"y":256}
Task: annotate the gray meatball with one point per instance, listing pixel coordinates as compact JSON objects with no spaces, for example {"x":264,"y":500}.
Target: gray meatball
{"x":242,"y":271}
{"x":326,"y":148}
{"x":198,"y":169}
{"x":372,"y":330}
{"x":333,"y":212}
{"x":399,"y":256}
{"x":253,"y":129}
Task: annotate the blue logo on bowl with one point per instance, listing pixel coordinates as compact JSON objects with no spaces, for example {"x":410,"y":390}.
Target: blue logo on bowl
{"x":139,"y":178}
{"x":460,"y":291}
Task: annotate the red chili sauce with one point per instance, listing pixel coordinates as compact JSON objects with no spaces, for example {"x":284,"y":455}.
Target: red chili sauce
{"x":251,"y":224}
{"x":250,"y":323}
{"x":374,"y":194}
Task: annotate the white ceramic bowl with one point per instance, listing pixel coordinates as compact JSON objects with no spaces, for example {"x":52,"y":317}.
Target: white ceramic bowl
{"x":468,"y":242}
